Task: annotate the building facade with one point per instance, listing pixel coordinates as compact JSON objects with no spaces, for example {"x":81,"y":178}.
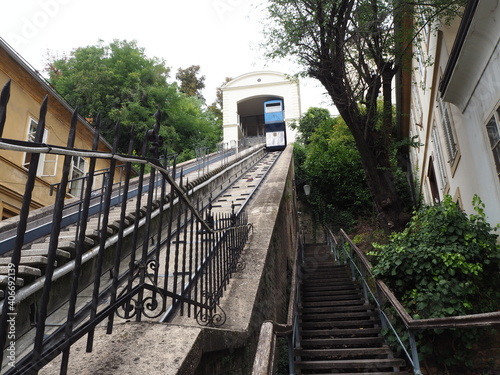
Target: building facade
{"x":455,"y":113}
{"x":27,"y":91}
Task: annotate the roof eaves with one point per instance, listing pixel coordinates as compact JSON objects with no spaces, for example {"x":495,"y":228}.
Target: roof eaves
{"x":463,"y":30}
{"x":38,"y":77}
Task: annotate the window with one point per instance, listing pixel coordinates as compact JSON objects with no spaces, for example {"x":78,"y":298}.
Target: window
{"x":77,"y":172}
{"x":7,"y":210}
{"x":47,"y":164}
{"x":438,"y":156}
{"x":493,"y":129}
{"x":431,"y":175}
{"x":448,"y":130}
{"x":425,"y":24}
{"x":416,"y":104}
{"x":33,"y":125}
{"x":419,"y":56}
{"x":30,"y":137}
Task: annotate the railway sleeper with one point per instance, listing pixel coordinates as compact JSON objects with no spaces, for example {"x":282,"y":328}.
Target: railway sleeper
{"x":25,"y":271}
{"x":60,"y":254}
{"x":4,"y":279}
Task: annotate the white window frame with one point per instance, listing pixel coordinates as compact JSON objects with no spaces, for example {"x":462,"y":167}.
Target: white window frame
{"x":439,"y":158}
{"x":419,"y":57}
{"x":30,"y":137}
{"x":493,"y":133}
{"x":77,"y":171}
{"x":448,"y":130}
{"x":47,"y":164}
{"x":417,"y":104}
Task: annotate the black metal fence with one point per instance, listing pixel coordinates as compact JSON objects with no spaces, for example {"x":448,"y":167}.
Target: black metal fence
{"x":152,"y":256}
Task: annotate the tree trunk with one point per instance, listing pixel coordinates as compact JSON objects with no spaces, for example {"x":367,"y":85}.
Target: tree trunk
{"x":372,"y":146}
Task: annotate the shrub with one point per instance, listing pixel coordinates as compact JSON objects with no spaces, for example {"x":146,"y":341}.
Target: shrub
{"x":444,"y":264}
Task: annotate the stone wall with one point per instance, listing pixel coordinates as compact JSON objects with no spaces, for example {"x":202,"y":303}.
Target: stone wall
{"x":260,"y":291}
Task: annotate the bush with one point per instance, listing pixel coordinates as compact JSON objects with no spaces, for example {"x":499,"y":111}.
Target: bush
{"x":444,"y":264}
{"x":329,"y":162}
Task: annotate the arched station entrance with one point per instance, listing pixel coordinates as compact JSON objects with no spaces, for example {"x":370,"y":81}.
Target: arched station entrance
{"x":243,"y":101}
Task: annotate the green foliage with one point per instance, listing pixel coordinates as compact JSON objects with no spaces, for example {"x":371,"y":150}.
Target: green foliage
{"x":122,"y":84}
{"x":190,"y":83}
{"x":331,"y":164}
{"x":310,"y":121}
{"x":444,"y":263}
{"x":354,"y":49}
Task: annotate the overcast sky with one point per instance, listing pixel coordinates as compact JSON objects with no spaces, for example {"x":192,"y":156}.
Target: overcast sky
{"x":222,"y":36}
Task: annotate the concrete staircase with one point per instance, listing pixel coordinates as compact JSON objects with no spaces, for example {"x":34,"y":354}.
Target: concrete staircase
{"x":340,"y":333}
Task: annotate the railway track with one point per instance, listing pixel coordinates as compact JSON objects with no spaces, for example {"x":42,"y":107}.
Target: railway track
{"x":179,"y":253}
{"x":40,"y":225}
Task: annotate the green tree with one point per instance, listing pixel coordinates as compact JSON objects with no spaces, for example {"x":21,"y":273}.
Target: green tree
{"x":312,"y":119}
{"x":355,"y":48}
{"x":217,"y":106}
{"x":191,"y":83}
{"x":122,"y":84}
{"x":331,"y":164}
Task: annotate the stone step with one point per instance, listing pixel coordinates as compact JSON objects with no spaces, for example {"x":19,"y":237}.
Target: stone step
{"x":327,"y":285}
{"x":369,"y":323}
{"x":359,"y":364}
{"x":320,"y":296}
{"x":44,"y":252}
{"x":336,"y":306}
{"x":344,"y":353}
{"x":27,"y":260}
{"x":337,"y":333}
{"x":22,"y":271}
{"x":354,"y":342}
{"x":4,"y":279}
{"x":338,"y":313}
{"x":336,"y":300}
{"x":360,"y":373}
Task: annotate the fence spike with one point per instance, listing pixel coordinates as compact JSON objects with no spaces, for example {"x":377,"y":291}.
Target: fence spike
{"x":4,"y":99}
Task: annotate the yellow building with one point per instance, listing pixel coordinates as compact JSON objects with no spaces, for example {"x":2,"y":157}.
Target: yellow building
{"x":28,"y":90}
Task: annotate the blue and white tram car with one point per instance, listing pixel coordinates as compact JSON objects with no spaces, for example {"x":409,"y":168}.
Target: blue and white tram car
{"x":274,"y":123}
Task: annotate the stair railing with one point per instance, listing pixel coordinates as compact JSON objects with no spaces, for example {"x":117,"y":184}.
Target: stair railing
{"x":345,"y":251}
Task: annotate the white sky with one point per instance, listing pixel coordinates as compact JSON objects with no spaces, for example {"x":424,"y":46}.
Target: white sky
{"x":221,"y":36}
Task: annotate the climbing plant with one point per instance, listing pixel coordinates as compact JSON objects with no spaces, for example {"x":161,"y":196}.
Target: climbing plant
{"x":445,"y":263}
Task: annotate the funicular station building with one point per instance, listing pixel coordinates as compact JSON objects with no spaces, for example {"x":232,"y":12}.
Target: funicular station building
{"x":244,"y":97}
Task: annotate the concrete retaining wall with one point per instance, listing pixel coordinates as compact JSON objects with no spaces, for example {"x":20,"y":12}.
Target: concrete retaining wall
{"x":260,"y":291}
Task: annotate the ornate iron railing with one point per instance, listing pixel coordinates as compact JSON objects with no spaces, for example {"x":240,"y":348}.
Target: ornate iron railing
{"x":157,"y":254}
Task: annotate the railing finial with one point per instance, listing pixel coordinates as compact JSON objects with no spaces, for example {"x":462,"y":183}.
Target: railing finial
{"x":4,"y":99}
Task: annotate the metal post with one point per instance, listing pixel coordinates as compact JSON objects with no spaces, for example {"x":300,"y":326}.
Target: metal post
{"x":4,"y":99}
{"x":365,"y":291}
{"x":291,"y":364}
{"x":414,"y":353}
{"x":383,"y":321}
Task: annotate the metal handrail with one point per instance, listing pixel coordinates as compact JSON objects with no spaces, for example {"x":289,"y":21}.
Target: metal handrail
{"x":364,"y":270}
{"x":478,"y":320}
{"x":412,"y":325}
